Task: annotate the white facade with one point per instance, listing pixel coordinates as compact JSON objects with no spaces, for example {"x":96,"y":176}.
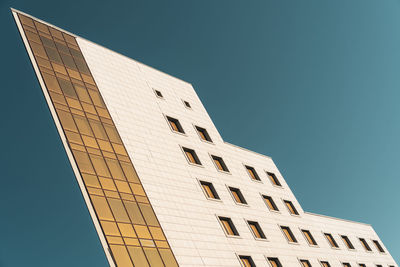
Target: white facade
{"x":187,"y":217}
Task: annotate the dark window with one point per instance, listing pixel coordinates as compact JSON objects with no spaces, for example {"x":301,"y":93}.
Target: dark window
{"x":309,"y":237}
{"x":331,"y":240}
{"x":209,"y":190}
{"x":203,"y":134}
{"x":325,"y":264}
{"x":378,"y":246}
{"x":246,"y":261}
{"x":253,"y":174}
{"x":270,"y":203}
{"x":305,"y":263}
{"x":237,"y":195}
{"x":219,"y":163}
{"x":191,"y":156}
{"x":362,"y":265}
{"x":175,"y":125}
{"x":273,"y":179}
{"x":228,"y":226}
{"x":274,"y":262}
{"x":288,"y":234}
{"x":187,"y":104}
{"x":291,"y":207}
{"x":346,"y":264}
{"x":158,"y":94}
{"x":256,"y":229}
{"x":347,"y":241}
{"x":365,"y":244}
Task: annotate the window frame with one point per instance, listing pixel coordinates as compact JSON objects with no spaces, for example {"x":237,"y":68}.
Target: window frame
{"x":312,"y":237}
{"x":252,"y":264}
{"x":212,"y":188}
{"x":236,"y":234}
{"x":275,"y":178}
{"x":324,"y":261}
{"x":290,"y":232}
{"x":249,"y":168}
{"x":184,"y":104}
{"x":223,"y":164}
{"x":378,"y":246}
{"x":240,"y":195}
{"x":346,"y":264}
{"x":305,"y":260}
{"x":286,"y":202}
{"x":156,"y":91}
{"x":279,"y":264}
{"x":334,"y":241}
{"x":259,"y":230}
{"x":177,"y":123}
{"x":196,"y":157}
{"x":348,"y":245}
{"x":369,"y":250}
{"x":273,"y":202}
{"x":199,"y":130}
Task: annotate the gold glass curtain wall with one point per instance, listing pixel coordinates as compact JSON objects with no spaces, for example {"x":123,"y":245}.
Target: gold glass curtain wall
{"x":122,"y":208}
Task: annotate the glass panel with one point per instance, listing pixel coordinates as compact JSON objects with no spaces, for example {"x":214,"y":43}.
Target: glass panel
{"x":123,"y":187}
{"x":126,"y":230}
{"x":38,"y":50}
{"x":101,"y":207}
{"x":32,"y":36}
{"x":47,"y":42}
{"x":82,"y":93}
{"x":138,"y":256}
{"x":91,"y":180}
{"x":110,"y":228}
{"x":97,"y":100}
{"x":137,"y":189}
{"x":83,"y":162}
{"x":99,"y":165}
{"x":121,"y":256}
{"x":129,"y":172}
{"x":82,"y":67}
{"x":112,"y":134}
{"x":118,"y":210}
{"x":157,"y":233}
{"x":131,"y":241}
{"x":51,"y":83}
{"x":148,"y":214}
{"x":62,"y":48}
{"x":83,"y":125}
{"x":168,"y":258}
{"x":70,"y":39}
{"x":134,"y":212}
{"x":73,"y":137}
{"x":25,"y":20}
{"x":142,"y":231}
{"x":115,"y":169}
{"x":98,"y":129}
{"x":41,"y":27}
{"x":53,"y":55}
{"x":115,"y":240}
{"x":105,"y":145}
{"x":89,"y":141}
{"x":56,"y":33}
{"x":67,"y":88}
{"x":153,"y":257}
{"x":68,"y":61}
{"x":107,"y":184}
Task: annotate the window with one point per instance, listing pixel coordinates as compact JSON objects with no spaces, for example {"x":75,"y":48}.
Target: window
{"x":253,"y":174}
{"x":228,"y":226}
{"x":191,"y":156}
{"x":331,"y":240}
{"x":305,"y":263}
{"x":347,"y":241}
{"x":273,"y":179}
{"x":219,"y":163}
{"x":237,"y":195}
{"x":365,"y":244}
{"x":378,"y":246}
{"x":158,"y":93}
{"x":379,"y":265}
{"x":270,"y":203}
{"x":203,"y":134}
{"x":274,"y":262}
{"x":291,"y":207}
{"x":246,"y":261}
{"x":209,"y":190}
{"x":288,"y":234}
{"x":187,"y":104}
{"x":362,"y":265}
{"x":346,"y":264}
{"x":325,"y":264}
{"x":309,"y":237}
{"x":256,"y":229}
{"x":175,"y":125}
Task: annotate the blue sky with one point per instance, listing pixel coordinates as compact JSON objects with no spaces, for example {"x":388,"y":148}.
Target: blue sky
{"x":313,"y":84}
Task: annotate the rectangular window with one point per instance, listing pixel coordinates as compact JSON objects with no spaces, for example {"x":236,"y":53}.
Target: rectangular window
{"x":187,"y":104}
{"x":362,"y":265}
{"x":288,"y":234}
{"x":270,"y":203}
{"x":253,"y":174}
{"x":228,"y":226}
{"x":237,"y":195}
{"x":325,"y":264}
{"x":378,"y":246}
{"x":291,"y":207}
{"x":365,"y":244}
{"x":346,"y":264}
{"x":273,"y":179}
{"x":191,"y":156}
{"x":347,"y":241}
{"x":219,"y":163}
{"x":175,"y":125}
{"x":331,"y":240}
{"x":274,"y":262}
{"x":203,"y":134}
{"x":209,"y":190}
{"x":379,"y":265}
{"x":305,"y":263}
{"x":256,"y":229}
{"x":158,"y":93}
{"x":246,"y":261}
{"x":309,"y":237}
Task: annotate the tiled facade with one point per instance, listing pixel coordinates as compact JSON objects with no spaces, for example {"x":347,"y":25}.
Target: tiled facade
{"x":171,"y":183}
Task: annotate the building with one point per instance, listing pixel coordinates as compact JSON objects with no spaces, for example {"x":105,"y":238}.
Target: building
{"x":161,"y":185}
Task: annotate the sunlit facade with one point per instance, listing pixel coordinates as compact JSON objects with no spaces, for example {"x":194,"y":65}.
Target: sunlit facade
{"x":161,"y":185}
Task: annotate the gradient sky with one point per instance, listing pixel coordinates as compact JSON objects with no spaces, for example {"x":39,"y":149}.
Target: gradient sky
{"x":313,"y":84}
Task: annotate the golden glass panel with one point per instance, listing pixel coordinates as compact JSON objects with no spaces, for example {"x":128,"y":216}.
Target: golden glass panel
{"x":59,"y":68}
{"x":236,"y":196}
{"x":53,"y":55}
{"x":129,"y":172}
{"x":51,"y":83}
{"x":107,"y":184}
{"x":27,"y":28}
{"x":255,"y":231}
{"x":103,"y":112}
{"x":100,"y":166}
{"x":273,"y":263}
{"x":148,"y":214}
{"x":47,"y":42}
{"x":97,"y":100}
{"x":48,"y":36}
{"x":82,"y":67}
{"x":137,"y":189}
{"x":66,"y":120}
{"x":105,"y":145}
{"x":121,"y":256}
{"x":131,"y":241}
{"x":83,"y":125}
{"x":74,"y":74}
{"x":91,"y":180}
{"x":115,"y":240}
{"x":89,"y":141}
{"x":45,"y":70}
{"x":147,"y":243}
{"x":25,"y":20}
{"x":62,"y":107}
{"x":219,"y":165}
{"x":153,"y":257}
{"x":94,"y":151}
{"x":62,"y":76}
{"x":104,"y":120}
{"x":142,"y":231}
{"x":68,"y":61}
{"x":190,"y":156}
{"x":287,"y":234}
{"x":111,"y":194}
{"x":83,"y":162}
{"x":93,"y":117}
{"x":32,"y":36}
{"x":227,"y":227}
{"x":78,"y":147}
{"x":73,"y":103}
{"x":208,"y":191}
{"x":174,"y":126}
{"x":123,"y":187}
{"x":75,"y":53}
{"x":127,"y":197}
{"x":168,"y":257}
{"x":157,"y":233}
{"x":119,"y":149}
{"x":55,"y":33}
{"x":161,"y":244}
{"x":202,"y":135}
{"x":245,"y":262}
{"x":88,"y":79}
{"x":63,"y":49}
{"x":41,"y":27}
{"x":134,"y":212}
{"x":126,"y":230}
{"x":89,"y":108}
{"x":67,"y":88}
{"x":73,"y":137}
{"x":43,"y":62}
{"x":138,"y":257}
{"x":82,"y":93}
{"x":109,"y":155}
{"x":38,"y":50}
{"x":77,"y":112}
{"x":118,"y":210}
{"x":98,"y":129}
{"x":142,"y":199}
{"x":70,"y":39}
{"x":102,"y":209}
{"x":112,"y":134}
{"x":115,"y":168}
{"x":95,"y":191}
